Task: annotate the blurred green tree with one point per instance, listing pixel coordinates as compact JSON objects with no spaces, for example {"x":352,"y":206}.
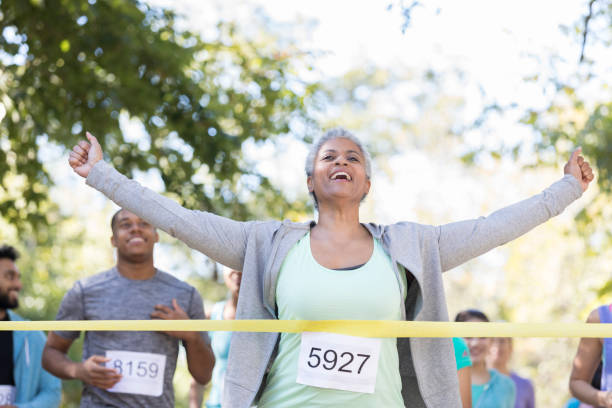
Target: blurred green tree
{"x":160,"y":99}
{"x":71,"y":65}
{"x":579,"y":113}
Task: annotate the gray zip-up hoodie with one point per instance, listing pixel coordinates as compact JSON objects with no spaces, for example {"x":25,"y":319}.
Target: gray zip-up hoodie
{"x":427,"y":365}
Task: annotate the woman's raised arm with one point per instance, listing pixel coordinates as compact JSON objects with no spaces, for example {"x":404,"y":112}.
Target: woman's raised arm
{"x":219,"y":238}
{"x":464,"y":240}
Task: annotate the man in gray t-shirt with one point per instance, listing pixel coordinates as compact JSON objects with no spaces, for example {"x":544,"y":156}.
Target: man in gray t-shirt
{"x":125,"y":368}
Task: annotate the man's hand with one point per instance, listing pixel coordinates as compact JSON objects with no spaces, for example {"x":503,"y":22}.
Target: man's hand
{"x":580,"y":169}
{"x":174,"y":313}
{"x":85,"y":155}
{"x":91,"y":371}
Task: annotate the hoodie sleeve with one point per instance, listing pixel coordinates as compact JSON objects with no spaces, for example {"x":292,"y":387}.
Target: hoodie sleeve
{"x":464,"y":240}
{"x":45,"y":391}
{"x":219,"y":238}
{"x":49,"y":393}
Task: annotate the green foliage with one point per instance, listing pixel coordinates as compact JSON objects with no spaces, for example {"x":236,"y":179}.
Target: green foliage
{"x":75,"y":65}
{"x":71,"y":65}
{"x":561,"y":129}
{"x":596,"y":136}
{"x":579,"y":114}
{"x":51,"y":260}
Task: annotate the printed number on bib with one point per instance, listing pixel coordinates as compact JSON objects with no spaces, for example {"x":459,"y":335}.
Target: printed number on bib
{"x":7,"y":394}
{"x":142,"y":373}
{"x":339,"y":362}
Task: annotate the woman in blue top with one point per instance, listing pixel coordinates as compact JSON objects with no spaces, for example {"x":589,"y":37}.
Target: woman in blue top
{"x":501,"y":352}
{"x":490,"y":389}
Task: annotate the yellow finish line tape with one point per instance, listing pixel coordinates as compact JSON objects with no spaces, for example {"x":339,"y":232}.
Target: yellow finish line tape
{"x":361,"y":328}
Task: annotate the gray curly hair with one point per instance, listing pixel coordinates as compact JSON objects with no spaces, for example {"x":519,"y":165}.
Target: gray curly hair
{"x":335,"y":133}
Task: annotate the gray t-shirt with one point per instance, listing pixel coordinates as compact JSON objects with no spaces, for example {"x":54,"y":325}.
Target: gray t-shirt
{"x":110,"y":296}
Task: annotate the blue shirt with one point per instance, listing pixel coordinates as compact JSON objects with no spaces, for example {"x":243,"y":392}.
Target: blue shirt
{"x":36,"y":388}
{"x":462,"y":353}
{"x":499,"y":392}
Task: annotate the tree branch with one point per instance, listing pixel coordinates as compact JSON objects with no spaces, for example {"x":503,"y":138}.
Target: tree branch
{"x":587,"y":18}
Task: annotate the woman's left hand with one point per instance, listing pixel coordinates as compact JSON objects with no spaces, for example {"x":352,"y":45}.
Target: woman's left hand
{"x":577,"y":167}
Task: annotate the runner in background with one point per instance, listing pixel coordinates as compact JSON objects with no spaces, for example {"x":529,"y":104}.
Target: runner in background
{"x":464,"y":370}
{"x":591,"y":352}
{"x":23,"y":382}
{"x":490,"y":389}
{"x":220,"y":342}
{"x":129,"y":368}
{"x":499,"y":357}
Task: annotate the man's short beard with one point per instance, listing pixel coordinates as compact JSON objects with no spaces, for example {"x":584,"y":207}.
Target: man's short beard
{"x":135,"y":258}
{"x":7,"y":303}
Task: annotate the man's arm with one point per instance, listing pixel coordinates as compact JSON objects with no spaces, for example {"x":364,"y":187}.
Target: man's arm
{"x":91,"y":371}
{"x":464,"y":240}
{"x":200,"y":358}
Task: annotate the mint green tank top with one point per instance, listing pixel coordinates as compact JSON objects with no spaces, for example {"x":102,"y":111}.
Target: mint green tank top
{"x":306,"y":290}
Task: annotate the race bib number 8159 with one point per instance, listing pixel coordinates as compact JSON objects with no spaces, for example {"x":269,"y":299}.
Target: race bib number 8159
{"x":339,"y":362}
{"x":142,"y":373}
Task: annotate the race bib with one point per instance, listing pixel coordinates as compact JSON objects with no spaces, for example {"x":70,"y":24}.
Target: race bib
{"x":143,"y":373}
{"x":337,"y":361}
{"x":7,"y":394}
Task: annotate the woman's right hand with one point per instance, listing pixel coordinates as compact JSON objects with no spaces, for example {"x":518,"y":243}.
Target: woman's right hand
{"x":85,"y":155}
{"x":580,"y":169}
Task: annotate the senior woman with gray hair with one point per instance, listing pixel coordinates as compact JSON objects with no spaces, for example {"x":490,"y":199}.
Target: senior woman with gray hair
{"x":336,"y":268}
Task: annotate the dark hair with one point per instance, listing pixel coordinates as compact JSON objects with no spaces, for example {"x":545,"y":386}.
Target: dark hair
{"x":470,"y":314}
{"x":114,"y":219}
{"x":8,"y":252}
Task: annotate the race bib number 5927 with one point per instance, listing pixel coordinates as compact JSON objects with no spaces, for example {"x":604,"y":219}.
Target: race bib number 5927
{"x":339,"y":362}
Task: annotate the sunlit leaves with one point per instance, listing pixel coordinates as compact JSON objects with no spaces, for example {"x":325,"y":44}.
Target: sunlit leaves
{"x":74,"y":65}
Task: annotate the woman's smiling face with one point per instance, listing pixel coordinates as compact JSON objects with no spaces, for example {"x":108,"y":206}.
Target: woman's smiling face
{"x":339,"y":172}
{"x":479,"y":346}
